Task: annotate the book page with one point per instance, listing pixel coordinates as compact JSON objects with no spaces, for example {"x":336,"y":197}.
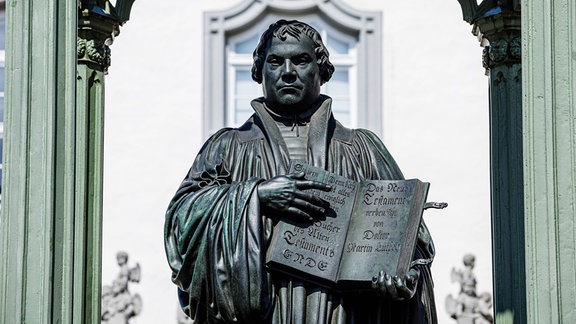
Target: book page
{"x":383,"y":229}
{"x":314,"y":249}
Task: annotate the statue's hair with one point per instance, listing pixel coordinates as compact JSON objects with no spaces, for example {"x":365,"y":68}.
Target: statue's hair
{"x":122,"y":254}
{"x":468,"y":259}
{"x":281,"y":30}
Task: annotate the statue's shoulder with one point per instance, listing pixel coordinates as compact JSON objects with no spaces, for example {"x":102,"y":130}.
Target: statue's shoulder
{"x":370,"y":140}
{"x":351,"y":135}
{"x":366,"y":133}
{"x":363,"y":140}
{"x":342,"y":133}
{"x":248,"y":131}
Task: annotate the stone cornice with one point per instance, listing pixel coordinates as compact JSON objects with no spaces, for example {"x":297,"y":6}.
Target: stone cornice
{"x":497,"y":26}
{"x":98,"y":23}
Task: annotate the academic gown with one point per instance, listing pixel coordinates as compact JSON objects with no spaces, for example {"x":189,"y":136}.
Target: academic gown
{"x":216,"y":235}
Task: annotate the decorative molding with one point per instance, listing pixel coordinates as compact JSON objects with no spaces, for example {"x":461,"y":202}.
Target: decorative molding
{"x":98,"y":23}
{"x":502,"y":51}
{"x":497,"y":26}
{"x":93,"y":51}
{"x":472,"y":11}
{"x":549,"y":116}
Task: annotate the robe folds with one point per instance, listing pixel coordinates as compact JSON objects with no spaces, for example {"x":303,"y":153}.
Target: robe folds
{"x":216,"y":236}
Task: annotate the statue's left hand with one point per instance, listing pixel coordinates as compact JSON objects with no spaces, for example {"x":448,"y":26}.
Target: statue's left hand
{"x":395,"y":287}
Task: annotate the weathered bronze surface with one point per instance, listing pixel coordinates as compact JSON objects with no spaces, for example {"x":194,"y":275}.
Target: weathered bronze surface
{"x":219,"y":224}
{"x":370,"y":226}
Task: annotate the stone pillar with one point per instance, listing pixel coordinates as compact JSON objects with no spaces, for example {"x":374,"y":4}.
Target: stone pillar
{"x":50,"y":226}
{"x":549,"y":103}
{"x":497,"y":26}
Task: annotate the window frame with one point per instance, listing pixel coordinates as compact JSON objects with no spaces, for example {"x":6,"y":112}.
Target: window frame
{"x":219,"y":26}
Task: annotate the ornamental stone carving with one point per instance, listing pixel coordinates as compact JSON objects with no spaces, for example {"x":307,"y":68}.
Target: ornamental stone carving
{"x":516,"y":48}
{"x":98,"y":23}
{"x":469,"y":307}
{"x":93,"y":50}
{"x":502,"y":51}
{"x":118,"y":304}
{"x":498,"y":50}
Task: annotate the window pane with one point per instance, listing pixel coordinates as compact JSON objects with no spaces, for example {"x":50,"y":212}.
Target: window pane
{"x":243,"y":111}
{"x":2,"y":29}
{"x":339,"y":89}
{"x":247,"y":46}
{"x":1,"y":78}
{"x":245,"y":85}
{"x":336,"y":46}
{"x":243,"y":81}
{"x":245,"y":91}
{"x":341,"y":110}
{"x":1,"y":108}
{"x":338,"y":85}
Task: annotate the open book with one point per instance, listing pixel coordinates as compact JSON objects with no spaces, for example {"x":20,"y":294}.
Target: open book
{"x":371,"y":226}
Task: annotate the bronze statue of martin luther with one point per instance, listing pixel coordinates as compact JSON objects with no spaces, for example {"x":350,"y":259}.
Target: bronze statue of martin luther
{"x":219,"y":223}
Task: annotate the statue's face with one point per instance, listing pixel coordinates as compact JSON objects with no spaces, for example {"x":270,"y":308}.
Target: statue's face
{"x":121,"y":259}
{"x":291,"y":76}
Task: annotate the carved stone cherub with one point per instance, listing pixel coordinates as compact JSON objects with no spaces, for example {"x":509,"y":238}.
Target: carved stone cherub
{"x":468,"y":307}
{"x":118,"y":304}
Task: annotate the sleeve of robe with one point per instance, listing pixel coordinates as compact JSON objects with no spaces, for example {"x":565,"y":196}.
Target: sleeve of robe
{"x":213,"y":240}
{"x":422,"y":308}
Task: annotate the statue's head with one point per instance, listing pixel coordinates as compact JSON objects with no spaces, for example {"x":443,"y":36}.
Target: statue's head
{"x":122,"y":257}
{"x":281,"y":29}
{"x":292,"y":63}
{"x":469,"y":260}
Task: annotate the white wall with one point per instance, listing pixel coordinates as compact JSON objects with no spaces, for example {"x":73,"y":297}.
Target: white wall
{"x":436,"y":126}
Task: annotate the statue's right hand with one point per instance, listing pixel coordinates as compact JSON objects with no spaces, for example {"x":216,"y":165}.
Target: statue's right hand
{"x":290,"y":196}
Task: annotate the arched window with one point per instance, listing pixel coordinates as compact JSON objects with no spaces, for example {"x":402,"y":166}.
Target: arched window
{"x":352,"y":38}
